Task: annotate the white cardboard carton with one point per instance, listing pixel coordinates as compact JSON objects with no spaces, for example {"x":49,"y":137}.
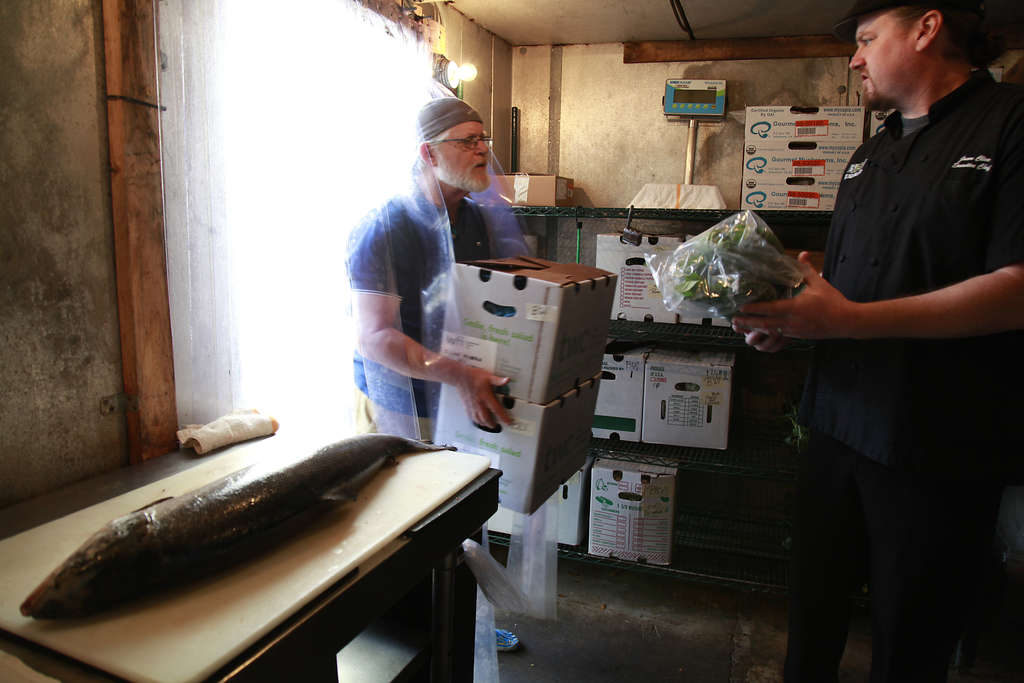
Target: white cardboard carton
{"x":572,"y":497}
{"x":636,"y":295}
{"x":632,"y":511}
{"x":619,"y":411}
{"x":813,"y":194}
{"x":782,"y":123}
{"x":688,"y":398}
{"x":545,"y":445}
{"x":826,"y":160}
{"x":540,"y":323}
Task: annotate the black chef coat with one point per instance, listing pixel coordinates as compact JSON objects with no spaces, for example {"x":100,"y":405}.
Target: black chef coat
{"x":913,"y":215}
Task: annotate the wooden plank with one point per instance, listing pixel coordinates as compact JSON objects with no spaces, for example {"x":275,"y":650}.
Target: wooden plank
{"x":735,"y":48}
{"x":137,"y":208}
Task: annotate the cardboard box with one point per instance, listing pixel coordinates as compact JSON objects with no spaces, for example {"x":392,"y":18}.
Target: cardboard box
{"x":536,"y":190}
{"x":540,"y":323}
{"x":573,"y":519}
{"x":619,"y":410}
{"x":810,"y":194}
{"x":783,"y":123}
{"x":636,"y":295}
{"x":713,"y":322}
{"x":688,"y":398}
{"x":821,"y":161}
{"x":632,"y":511}
{"x":544,"y":446}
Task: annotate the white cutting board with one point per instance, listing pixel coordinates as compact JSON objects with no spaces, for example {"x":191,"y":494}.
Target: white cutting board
{"x":187,"y":633}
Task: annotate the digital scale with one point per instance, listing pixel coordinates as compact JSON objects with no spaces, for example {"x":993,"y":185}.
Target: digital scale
{"x":694,"y":98}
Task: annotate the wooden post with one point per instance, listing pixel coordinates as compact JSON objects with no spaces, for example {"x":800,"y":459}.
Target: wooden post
{"x":129,"y":36}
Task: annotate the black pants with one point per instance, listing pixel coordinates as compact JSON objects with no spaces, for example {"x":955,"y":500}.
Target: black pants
{"x":920,"y":544}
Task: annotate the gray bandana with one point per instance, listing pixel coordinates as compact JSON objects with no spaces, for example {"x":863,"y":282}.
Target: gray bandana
{"x":439,"y":115}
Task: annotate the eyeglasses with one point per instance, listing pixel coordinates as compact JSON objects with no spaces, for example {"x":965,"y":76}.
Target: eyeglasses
{"x":469,"y":144}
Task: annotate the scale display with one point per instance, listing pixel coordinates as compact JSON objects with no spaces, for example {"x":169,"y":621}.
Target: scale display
{"x":694,"y":98}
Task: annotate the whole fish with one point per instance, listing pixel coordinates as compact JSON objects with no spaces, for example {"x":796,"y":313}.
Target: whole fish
{"x":208,"y":528}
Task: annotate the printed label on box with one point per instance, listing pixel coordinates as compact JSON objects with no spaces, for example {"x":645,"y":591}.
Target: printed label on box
{"x":523,"y":427}
{"x":657,"y":496}
{"x":542,"y":313}
{"x":809,"y":128}
{"x":479,"y":353}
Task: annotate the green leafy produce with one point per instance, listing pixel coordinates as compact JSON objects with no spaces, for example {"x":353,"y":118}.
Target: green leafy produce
{"x":736,"y":261}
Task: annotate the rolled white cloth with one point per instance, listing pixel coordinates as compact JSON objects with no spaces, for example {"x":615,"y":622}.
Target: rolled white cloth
{"x":240,"y":425}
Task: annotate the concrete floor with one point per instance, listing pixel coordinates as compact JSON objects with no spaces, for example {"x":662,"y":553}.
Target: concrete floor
{"x":616,"y":625}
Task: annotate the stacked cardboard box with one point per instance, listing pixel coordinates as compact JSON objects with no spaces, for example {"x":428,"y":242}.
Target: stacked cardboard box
{"x":632,"y":511}
{"x":544,"y":325}
{"x":619,"y":411}
{"x":636,"y":295}
{"x":688,"y":398}
{"x":571,"y":498}
{"x":793,"y":158}
{"x":673,"y":397}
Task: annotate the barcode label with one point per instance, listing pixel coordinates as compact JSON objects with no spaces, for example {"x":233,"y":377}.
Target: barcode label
{"x":809,"y":167}
{"x":804,"y":200}
{"x":805,"y":128}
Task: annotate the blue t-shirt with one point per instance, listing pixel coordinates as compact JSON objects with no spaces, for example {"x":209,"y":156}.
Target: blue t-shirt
{"x":404,"y":249}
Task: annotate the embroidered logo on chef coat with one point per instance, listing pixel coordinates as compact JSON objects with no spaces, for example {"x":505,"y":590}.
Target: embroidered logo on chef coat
{"x":854,"y":170}
{"x":980,"y":162}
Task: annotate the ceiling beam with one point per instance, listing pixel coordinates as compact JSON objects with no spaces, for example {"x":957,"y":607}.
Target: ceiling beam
{"x":782,"y":47}
{"x":735,"y":48}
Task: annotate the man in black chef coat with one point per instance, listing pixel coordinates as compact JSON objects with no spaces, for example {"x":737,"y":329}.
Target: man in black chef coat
{"x":914,"y":390}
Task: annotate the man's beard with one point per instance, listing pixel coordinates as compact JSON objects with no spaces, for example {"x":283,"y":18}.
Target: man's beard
{"x":465,"y":181}
{"x":875,"y":101}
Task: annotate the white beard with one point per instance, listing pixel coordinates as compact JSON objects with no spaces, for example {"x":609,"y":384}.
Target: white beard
{"x":465,"y":181}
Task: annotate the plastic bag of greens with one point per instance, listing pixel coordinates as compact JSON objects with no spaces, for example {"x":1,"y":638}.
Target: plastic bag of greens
{"x":734,"y":262}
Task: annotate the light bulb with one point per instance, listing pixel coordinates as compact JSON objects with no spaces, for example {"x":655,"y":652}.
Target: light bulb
{"x":467,"y":72}
{"x":452,"y":75}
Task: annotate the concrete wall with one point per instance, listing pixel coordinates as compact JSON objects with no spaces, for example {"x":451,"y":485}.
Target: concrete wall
{"x":59,"y":341}
{"x":490,"y":92}
{"x":600,"y":121}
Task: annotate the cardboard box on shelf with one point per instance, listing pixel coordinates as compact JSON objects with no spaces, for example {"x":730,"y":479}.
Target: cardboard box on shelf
{"x":545,"y":445}
{"x":571,"y":498}
{"x":619,"y":410}
{"x":636,"y":295}
{"x":688,"y":398}
{"x":540,"y":323}
{"x":784,"y":123}
{"x":524,"y":189}
{"x":809,"y":194}
{"x":632,"y":511}
{"x":713,"y":322}
{"x":796,"y":158}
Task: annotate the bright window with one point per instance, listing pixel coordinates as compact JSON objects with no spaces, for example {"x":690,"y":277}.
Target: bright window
{"x":285,"y":123}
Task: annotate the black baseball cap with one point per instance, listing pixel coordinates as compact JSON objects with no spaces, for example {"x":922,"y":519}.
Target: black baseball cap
{"x":846,"y":28}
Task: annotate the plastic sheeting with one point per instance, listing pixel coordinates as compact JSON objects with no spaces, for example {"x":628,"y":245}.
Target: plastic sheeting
{"x":400,"y":264}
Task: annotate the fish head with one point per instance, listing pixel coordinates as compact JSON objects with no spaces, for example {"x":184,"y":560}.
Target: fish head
{"x":106,"y":567}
